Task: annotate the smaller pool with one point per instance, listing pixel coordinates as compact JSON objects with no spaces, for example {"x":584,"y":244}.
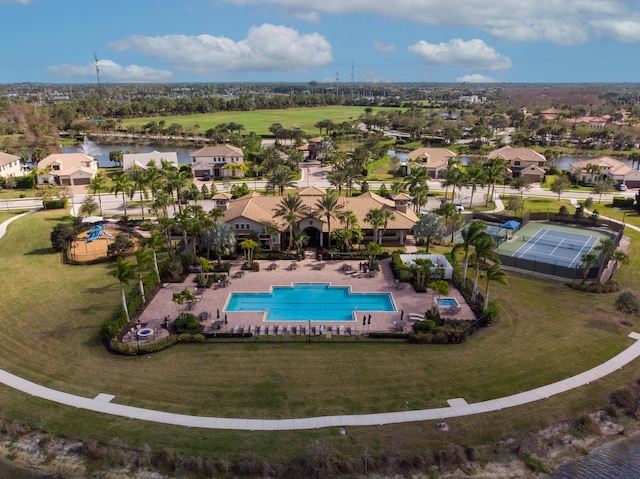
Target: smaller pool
{"x":447,"y":302}
{"x":145,"y":333}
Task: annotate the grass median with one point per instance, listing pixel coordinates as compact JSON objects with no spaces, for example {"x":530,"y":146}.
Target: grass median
{"x":52,"y":313}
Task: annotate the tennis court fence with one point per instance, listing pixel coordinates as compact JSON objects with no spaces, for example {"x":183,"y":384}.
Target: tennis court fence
{"x":548,"y":268}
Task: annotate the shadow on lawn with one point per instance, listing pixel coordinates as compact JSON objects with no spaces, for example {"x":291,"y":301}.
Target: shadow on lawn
{"x":41,"y":252}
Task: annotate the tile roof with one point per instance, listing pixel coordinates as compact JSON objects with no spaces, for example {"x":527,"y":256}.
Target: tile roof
{"x":523,"y":154}
{"x":7,"y":159}
{"x":220,"y":150}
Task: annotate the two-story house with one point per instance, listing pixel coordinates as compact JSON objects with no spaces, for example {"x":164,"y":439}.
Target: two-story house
{"x":68,"y":169}
{"x":434,"y":160}
{"x":523,"y":162}
{"x":215,"y":162}
{"x":9,"y":165}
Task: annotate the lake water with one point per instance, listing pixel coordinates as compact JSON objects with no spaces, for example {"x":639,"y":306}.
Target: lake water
{"x":101,"y":153}
{"x":620,"y":459}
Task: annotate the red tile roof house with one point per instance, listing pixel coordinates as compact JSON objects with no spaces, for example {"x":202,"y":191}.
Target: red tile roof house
{"x":434,"y":160}
{"x":523,"y":162}
{"x":609,"y":168}
{"x":224,"y":161}
{"x":68,"y":169}
{"x":250,"y":214}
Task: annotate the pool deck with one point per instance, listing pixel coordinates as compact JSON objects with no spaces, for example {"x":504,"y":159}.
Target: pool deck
{"x":307,"y":270}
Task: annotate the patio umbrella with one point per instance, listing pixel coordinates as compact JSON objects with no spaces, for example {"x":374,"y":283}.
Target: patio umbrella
{"x":225,"y":320}
{"x":369,"y":320}
{"x":401,"y":315}
{"x":217,"y":313}
{"x":364,"y":320}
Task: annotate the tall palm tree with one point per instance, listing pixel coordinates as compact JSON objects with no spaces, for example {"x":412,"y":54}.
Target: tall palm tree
{"x":469,"y":235}
{"x":417,"y":178}
{"x":280,"y":179}
{"x":338,"y":179}
{"x":154,"y":241}
{"x":123,"y":273}
{"x":139,"y":179}
{"x":291,"y":208}
{"x":97,"y":183}
{"x":123,"y":186}
{"x":329,"y":205}
{"x":483,"y":250}
{"x":475,"y":178}
{"x":143,"y":262}
{"x":493,"y":171}
{"x":387,"y":215}
{"x":494,"y":273}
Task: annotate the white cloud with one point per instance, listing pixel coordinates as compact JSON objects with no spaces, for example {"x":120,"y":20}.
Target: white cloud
{"x":457,"y":53}
{"x":565,"y":22}
{"x":475,"y":78}
{"x":384,"y":47}
{"x":269,"y":48}
{"x":112,"y":72}
{"x":622,"y":30}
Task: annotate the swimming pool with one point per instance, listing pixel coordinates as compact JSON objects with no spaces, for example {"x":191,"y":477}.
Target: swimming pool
{"x":311,"y":302}
{"x":447,"y":302}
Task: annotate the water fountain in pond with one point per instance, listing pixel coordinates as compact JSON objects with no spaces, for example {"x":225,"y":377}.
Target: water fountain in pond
{"x":90,"y":148}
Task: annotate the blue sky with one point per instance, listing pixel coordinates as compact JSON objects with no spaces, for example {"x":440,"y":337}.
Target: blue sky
{"x":303,"y":40}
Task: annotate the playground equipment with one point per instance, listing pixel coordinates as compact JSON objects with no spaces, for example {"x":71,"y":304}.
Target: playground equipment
{"x":94,"y":232}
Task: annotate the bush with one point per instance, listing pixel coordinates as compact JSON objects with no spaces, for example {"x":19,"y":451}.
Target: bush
{"x":492,"y":311}
{"x":427,"y":325}
{"x":58,"y":204}
{"x":622,"y":202}
{"x":188,"y":323}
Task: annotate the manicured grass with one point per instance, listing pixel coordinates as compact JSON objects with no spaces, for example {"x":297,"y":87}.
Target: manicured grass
{"x":259,"y":121}
{"x":49,"y":334}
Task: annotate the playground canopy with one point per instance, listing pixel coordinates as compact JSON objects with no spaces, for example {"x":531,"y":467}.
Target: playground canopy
{"x":511,"y":225}
{"x":93,"y":219}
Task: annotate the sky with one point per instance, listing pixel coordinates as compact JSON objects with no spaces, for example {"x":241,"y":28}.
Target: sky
{"x":467,"y":41}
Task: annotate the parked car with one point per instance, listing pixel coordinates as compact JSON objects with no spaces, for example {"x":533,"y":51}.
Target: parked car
{"x":622,"y":187}
{"x":206,"y":176}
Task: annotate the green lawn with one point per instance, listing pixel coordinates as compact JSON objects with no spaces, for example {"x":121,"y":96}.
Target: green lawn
{"x":49,"y":334}
{"x":259,"y":121}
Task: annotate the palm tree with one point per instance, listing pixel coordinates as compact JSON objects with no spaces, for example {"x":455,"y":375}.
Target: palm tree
{"x":280,"y":179}
{"x":216,"y":213}
{"x":143,"y":262}
{"x":493,"y":171}
{"x":483,"y":250}
{"x":387,"y":215}
{"x":375,"y":219}
{"x":469,"y":235}
{"x":123,"y":186}
{"x":97,"y":183}
{"x":417,"y":178}
{"x":338,"y":178}
{"x":139,"y":179}
{"x":450,"y":215}
{"x":329,"y":205}
{"x":588,"y":260}
{"x":291,"y":208}
{"x":123,"y":273}
{"x":494,"y":273}
{"x":220,"y":239}
{"x":154,"y":241}
{"x":475,"y":178}
{"x":248,"y":246}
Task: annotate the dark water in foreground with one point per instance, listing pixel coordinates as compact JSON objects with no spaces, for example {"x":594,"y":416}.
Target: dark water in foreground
{"x":616,"y":460}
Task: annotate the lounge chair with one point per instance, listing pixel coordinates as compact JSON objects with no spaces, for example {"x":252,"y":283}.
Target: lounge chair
{"x":341,"y":330}
{"x":236,"y":329}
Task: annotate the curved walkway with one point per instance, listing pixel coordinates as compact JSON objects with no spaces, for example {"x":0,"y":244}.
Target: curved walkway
{"x":457,"y":407}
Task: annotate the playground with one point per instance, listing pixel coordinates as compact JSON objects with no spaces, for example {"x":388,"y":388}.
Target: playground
{"x":92,"y":244}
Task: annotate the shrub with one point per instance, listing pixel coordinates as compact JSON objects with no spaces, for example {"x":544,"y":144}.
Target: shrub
{"x":622,"y":202}
{"x":492,"y":311}
{"x":58,"y":204}
{"x":427,"y":325}
{"x":188,"y":323}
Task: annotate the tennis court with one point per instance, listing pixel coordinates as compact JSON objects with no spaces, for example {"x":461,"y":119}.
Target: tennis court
{"x":557,"y":247}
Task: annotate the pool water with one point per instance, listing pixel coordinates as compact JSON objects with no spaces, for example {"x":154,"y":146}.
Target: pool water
{"x":447,"y":302}
{"x":310,"y":302}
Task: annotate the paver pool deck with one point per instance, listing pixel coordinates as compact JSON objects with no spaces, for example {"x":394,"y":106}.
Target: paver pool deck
{"x":213,"y":300}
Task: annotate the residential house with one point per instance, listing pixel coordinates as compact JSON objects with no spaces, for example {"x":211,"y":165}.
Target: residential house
{"x":68,"y":169}
{"x":9,"y":165}
{"x":523,"y":162}
{"x":142,"y":160}
{"x":223,"y":161}
{"x":250,"y":214}
{"x":609,"y":167}
{"x":434,"y":160}
{"x":550,"y":114}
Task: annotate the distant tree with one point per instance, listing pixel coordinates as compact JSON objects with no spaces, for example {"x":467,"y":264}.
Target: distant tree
{"x":89,"y":206}
{"x":123,"y":273}
{"x":219,"y":238}
{"x":62,"y":236}
{"x":430,"y":226}
{"x":560,"y":185}
{"x":627,"y":303}
{"x":121,"y":247}
{"x":603,"y":187}
{"x":116,"y":157}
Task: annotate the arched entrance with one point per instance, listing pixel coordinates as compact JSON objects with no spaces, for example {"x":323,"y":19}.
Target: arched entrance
{"x":314,"y":236}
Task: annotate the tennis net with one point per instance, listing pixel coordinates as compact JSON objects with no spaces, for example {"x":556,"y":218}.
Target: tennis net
{"x":563,"y":243}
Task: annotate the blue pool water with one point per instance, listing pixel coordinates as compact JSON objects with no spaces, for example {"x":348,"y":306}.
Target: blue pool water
{"x":311,"y":301}
{"x":447,"y":302}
